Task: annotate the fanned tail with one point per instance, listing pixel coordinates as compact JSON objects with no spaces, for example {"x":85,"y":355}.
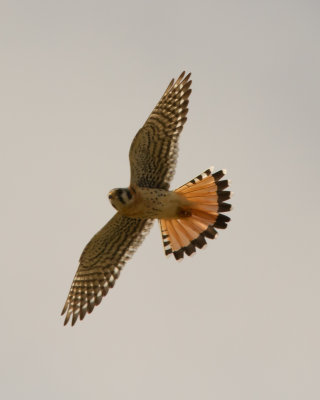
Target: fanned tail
{"x":207,"y":195}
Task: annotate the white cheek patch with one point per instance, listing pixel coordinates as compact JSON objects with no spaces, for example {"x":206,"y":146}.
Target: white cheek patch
{"x":125,"y":197}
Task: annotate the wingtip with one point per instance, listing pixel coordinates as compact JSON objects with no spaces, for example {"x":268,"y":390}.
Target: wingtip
{"x":66,"y":320}
{"x":182,"y":79}
{"x":64,"y":309}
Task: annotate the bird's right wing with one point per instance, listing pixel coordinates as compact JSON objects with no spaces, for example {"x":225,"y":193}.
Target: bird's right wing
{"x":154,"y":150}
{"x":101,"y":263}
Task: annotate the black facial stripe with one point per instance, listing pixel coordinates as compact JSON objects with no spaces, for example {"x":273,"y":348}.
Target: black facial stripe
{"x":119,"y":192}
{"x":129,"y":194}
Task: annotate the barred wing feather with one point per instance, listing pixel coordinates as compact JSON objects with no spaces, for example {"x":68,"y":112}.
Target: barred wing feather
{"x":154,"y":150}
{"x":101,"y":263}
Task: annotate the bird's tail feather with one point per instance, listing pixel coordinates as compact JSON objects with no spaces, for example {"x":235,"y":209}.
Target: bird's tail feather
{"x":207,"y":195}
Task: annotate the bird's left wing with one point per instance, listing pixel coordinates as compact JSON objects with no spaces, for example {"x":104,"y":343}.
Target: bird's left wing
{"x":101,"y":263}
{"x":154,"y":150}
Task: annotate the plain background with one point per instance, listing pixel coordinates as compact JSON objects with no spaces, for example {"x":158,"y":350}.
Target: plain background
{"x":240,"y":320}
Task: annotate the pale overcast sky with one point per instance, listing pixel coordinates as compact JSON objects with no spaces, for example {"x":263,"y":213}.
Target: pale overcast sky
{"x":240,"y":319}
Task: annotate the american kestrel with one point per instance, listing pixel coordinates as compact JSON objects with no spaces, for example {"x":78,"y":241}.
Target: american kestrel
{"x":187,"y":215}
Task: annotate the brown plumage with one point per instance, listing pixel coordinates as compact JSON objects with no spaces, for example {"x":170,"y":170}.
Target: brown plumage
{"x":187,"y":215}
{"x":154,"y":150}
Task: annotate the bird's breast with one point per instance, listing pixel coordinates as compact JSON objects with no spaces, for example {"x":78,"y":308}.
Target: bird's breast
{"x":155,"y":203}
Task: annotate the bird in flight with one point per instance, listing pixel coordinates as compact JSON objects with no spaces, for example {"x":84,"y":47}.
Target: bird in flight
{"x":187,"y":215}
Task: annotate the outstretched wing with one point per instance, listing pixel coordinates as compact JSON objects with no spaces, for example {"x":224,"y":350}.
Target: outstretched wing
{"x":154,"y":150}
{"x":101,"y":263}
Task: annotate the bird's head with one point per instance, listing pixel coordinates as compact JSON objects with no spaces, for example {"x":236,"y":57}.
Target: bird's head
{"x":120,"y":198}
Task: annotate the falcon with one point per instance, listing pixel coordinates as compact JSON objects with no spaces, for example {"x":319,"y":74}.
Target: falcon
{"x":188,"y":215}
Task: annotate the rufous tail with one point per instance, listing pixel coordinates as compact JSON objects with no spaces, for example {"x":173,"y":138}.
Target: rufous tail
{"x":207,"y":195}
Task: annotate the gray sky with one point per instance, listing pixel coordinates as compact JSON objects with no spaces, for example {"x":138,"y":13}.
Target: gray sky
{"x":240,"y":320}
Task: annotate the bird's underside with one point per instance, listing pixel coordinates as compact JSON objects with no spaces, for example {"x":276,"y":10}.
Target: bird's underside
{"x":187,"y":216}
